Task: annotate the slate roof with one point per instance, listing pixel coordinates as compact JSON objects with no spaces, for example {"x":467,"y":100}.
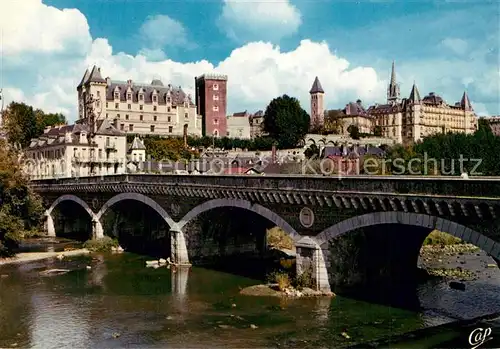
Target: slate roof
{"x":433,"y":99}
{"x":178,"y":96}
{"x":137,"y":144}
{"x":355,"y":109}
{"x":65,"y":134}
{"x":414,"y":94}
{"x":316,"y":87}
{"x":465,"y":102}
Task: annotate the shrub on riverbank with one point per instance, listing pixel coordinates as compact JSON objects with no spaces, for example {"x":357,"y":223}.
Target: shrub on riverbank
{"x":101,"y":245}
{"x":439,"y":238}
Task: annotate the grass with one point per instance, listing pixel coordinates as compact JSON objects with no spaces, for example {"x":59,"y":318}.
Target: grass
{"x":100,"y":245}
{"x":439,"y":238}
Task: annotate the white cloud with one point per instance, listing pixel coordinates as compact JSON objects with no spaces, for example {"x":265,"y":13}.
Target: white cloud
{"x":272,"y":20}
{"x":161,"y":30}
{"x":458,"y":46}
{"x":29,"y":25}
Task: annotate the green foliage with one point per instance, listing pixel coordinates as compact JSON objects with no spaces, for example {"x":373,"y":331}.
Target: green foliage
{"x":172,"y":148}
{"x":377,"y":131}
{"x":100,"y":245}
{"x":286,"y":121}
{"x":312,"y":151}
{"x":437,"y":237}
{"x":353,"y":131}
{"x":333,"y":121}
{"x":277,"y":238}
{"x":20,"y":208}
{"x":168,"y":148}
{"x":281,"y":278}
{"x":23,"y":123}
{"x":304,"y":280}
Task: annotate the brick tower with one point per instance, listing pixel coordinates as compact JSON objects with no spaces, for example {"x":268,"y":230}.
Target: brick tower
{"x":211,"y":103}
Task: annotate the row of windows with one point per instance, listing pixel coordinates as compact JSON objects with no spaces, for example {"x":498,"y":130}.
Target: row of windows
{"x":155,"y":117}
{"x":151,"y":128}
{"x":141,"y":107}
{"x":141,"y":97}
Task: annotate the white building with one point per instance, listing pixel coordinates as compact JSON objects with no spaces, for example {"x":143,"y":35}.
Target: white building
{"x":238,"y":125}
{"x":140,"y":108}
{"x":65,"y":151}
{"x":244,"y":125}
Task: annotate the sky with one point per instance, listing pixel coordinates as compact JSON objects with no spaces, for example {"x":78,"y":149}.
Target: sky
{"x":267,"y":48}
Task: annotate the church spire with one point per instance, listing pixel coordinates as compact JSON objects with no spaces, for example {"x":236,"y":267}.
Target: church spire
{"x":316,"y":87}
{"x":414,"y":94}
{"x":465,"y":102}
{"x":393,"y":88}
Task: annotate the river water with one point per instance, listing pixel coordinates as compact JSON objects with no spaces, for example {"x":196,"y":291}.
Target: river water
{"x":118,"y":303}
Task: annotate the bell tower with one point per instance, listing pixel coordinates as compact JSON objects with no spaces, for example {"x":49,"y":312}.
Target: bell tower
{"x":317,"y":104}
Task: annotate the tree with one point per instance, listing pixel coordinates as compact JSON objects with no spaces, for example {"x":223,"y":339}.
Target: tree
{"x":333,"y":121}
{"x":285,"y":121}
{"x":22,"y":122}
{"x":377,"y":131}
{"x":20,"y":208}
{"x":353,"y":131}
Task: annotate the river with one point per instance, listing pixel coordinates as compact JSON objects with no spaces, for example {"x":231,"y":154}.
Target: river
{"x":118,"y":303}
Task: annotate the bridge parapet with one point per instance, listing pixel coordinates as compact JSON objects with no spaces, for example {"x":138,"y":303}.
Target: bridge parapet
{"x":480,"y":187}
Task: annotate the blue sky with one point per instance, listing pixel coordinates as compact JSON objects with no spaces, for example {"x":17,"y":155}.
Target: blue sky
{"x":267,"y":48}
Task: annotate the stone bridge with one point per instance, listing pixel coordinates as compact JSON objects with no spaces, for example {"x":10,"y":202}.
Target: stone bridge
{"x":313,"y":210}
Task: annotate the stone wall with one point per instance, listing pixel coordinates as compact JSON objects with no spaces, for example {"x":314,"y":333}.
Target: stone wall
{"x":224,"y":232}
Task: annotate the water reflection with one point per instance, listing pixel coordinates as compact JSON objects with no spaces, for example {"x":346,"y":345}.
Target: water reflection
{"x":119,"y":302}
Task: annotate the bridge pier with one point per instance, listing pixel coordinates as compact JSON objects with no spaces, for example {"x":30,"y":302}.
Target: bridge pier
{"x":97,"y":229}
{"x":311,"y":259}
{"x":178,"y":248}
{"x":49,"y":225}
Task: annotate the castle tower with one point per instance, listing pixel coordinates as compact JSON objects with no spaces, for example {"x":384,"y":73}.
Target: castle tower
{"x":317,"y":104}
{"x":393,"y":88}
{"x":211,"y":103}
{"x":92,"y":86}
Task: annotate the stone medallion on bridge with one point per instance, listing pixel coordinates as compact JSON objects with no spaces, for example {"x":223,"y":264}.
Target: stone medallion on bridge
{"x":95,"y":204}
{"x":175,"y":209}
{"x":306,"y":217}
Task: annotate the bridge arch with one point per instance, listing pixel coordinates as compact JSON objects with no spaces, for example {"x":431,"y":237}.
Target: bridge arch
{"x":244,"y":204}
{"x":136,"y":197}
{"x":73,"y":198}
{"x":413,"y":219}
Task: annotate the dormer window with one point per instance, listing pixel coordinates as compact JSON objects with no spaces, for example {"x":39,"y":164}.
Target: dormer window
{"x":141,"y":96}
{"x":117,"y":95}
{"x":169,"y":100}
{"x":155,"y":99}
{"x":129,"y":96}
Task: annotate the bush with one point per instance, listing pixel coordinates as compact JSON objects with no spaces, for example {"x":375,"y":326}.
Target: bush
{"x":287,"y":264}
{"x":101,"y":245}
{"x":304,"y":279}
{"x":282,"y":279}
{"x":437,"y":237}
{"x":278,"y":239}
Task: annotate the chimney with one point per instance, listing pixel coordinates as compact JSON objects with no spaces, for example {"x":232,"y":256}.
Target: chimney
{"x":273,"y":154}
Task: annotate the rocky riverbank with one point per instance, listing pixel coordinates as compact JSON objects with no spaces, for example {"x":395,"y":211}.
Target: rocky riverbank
{"x":35,"y":256}
{"x":463,"y":262}
{"x":272,"y":290}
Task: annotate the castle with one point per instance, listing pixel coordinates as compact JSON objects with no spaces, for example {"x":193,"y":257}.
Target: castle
{"x":154,"y":108}
{"x":405,"y":120}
